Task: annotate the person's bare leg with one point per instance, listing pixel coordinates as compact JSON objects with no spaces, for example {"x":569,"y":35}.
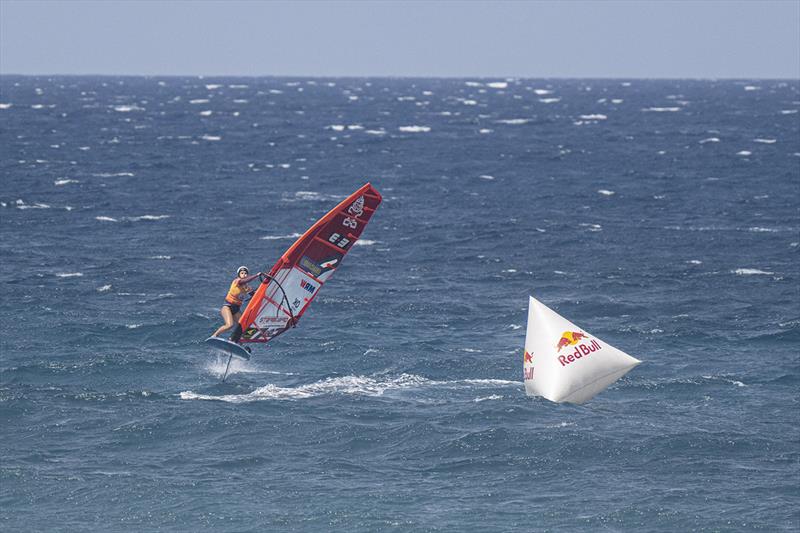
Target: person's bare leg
{"x":228,"y":317}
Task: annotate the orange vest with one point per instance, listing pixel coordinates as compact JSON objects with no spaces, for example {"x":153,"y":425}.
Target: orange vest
{"x":236,"y":293}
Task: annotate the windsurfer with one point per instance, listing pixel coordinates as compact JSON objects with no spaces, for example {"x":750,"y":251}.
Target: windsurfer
{"x":231,"y":309}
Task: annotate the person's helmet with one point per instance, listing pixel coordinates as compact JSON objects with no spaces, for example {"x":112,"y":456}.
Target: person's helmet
{"x":238,"y":270}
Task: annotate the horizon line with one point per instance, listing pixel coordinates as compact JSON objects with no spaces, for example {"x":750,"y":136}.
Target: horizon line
{"x":415,"y":77}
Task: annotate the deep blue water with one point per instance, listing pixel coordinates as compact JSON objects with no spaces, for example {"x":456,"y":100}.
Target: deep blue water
{"x":662,"y":216}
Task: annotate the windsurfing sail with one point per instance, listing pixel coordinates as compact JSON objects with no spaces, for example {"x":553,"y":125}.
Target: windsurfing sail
{"x":563,"y":363}
{"x":296,"y":279}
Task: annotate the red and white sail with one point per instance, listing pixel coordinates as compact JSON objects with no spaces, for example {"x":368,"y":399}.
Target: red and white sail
{"x":296,"y":279}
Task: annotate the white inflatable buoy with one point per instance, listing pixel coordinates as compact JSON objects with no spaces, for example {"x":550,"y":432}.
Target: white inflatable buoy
{"x":563,"y":363}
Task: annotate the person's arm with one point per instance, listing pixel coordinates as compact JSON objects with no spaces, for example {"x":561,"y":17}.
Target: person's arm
{"x":248,"y":279}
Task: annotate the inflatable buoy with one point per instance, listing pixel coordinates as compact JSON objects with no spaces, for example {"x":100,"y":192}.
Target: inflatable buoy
{"x":563,"y":363}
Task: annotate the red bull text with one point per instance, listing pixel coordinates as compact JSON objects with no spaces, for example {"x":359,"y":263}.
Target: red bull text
{"x":580,"y":351}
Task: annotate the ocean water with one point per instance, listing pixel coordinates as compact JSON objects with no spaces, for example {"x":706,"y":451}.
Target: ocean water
{"x":662,"y":216}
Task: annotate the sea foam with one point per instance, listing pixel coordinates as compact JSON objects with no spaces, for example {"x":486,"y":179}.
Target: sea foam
{"x":414,"y":129}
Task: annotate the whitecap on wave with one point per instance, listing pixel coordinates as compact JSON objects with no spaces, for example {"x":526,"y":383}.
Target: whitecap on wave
{"x":69,"y":275}
{"x":20,"y":204}
{"x":513,"y":121}
{"x":751,"y":272}
{"x":414,"y":129}
{"x":356,"y":385}
{"x":147,"y":217}
{"x":490,"y":397}
{"x":280,"y":237}
{"x":661,"y":109}
{"x":127,"y":108}
{"x":759,"y":229}
{"x":591,"y":227}
{"x":132,"y":219}
{"x":312,"y":196}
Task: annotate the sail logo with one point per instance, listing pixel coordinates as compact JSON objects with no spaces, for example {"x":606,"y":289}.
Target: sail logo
{"x":357,"y":208}
{"x":308,"y":286}
{"x":271,"y":322}
{"x":330,"y":264}
{"x":569,"y":338}
{"x":310,"y":266}
{"x":316,"y":270}
{"x":581,"y":350}
{"x":528,"y":369}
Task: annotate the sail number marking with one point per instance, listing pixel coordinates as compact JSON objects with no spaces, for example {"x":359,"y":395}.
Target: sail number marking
{"x":339,"y":240}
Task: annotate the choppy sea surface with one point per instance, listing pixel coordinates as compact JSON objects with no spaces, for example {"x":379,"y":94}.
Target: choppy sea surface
{"x":661,"y":216}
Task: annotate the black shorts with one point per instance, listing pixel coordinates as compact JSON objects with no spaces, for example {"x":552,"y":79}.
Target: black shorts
{"x":233,"y":307}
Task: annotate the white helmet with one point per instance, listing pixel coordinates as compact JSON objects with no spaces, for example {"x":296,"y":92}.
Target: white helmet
{"x":242,"y":268}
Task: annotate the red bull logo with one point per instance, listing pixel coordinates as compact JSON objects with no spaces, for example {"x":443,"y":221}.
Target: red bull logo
{"x":581,"y":350}
{"x":528,"y":369}
{"x":569,"y":338}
